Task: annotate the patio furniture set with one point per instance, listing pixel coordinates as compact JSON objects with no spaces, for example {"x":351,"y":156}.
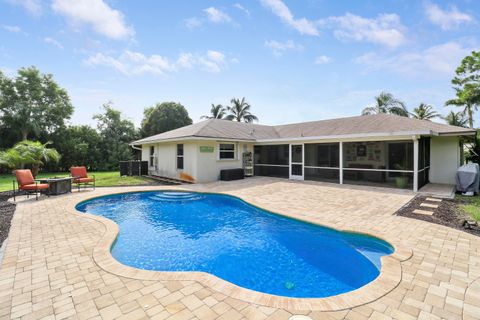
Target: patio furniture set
{"x":26,"y":182}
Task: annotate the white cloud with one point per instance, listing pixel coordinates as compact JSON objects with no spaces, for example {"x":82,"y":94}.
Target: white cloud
{"x":446,"y":19}
{"x":386,"y":29}
{"x":439,"y":59}
{"x":32,"y":6}
{"x":14,"y":29}
{"x":193,"y":23}
{"x":136,"y":63}
{"x":213,"y":61}
{"x":97,"y":14}
{"x":217,"y":16}
{"x":242,"y":8}
{"x":53,"y":42}
{"x":323,"y":59}
{"x":281,"y":10}
{"x":278,"y":48}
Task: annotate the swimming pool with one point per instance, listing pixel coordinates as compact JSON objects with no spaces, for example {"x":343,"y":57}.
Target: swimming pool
{"x":237,"y":242}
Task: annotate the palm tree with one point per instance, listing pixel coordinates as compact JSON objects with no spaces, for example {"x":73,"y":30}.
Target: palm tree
{"x":469,"y":99}
{"x":33,"y":153}
{"x":216,"y":112}
{"x":240,"y":111}
{"x":386,"y":103}
{"x":456,"y":119}
{"x":425,"y":112}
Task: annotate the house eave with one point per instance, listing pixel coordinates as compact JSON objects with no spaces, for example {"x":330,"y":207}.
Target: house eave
{"x":354,"y":136}
{"x":190,"y":138}
{"x":459,"y":133}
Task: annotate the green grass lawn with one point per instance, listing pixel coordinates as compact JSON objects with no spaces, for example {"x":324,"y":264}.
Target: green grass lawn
{"x":103,"y":179}
{"x":471,"y":206}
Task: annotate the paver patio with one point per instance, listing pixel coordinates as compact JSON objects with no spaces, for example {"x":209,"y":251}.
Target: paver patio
{"x":48,"y":270}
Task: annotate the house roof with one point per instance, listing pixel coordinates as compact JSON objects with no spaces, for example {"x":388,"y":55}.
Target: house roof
{"x":368,"y":125}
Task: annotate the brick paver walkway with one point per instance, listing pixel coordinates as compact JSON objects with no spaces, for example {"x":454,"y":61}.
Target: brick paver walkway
{"x":48,"y":270}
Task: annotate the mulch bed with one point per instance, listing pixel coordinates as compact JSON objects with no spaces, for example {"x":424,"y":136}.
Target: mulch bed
{"x":447,"y":214}
{"x":6,"y":213}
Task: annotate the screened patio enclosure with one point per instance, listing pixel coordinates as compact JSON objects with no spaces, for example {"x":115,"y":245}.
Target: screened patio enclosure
{"x":375,"y":163}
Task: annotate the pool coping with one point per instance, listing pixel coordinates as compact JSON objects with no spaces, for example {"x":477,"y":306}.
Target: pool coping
{"x":388,"y":279}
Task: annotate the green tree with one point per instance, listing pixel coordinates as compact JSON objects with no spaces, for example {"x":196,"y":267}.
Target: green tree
{"x":240,"y":111}
{"x":216,"y":112}
{"x":424,"y":112}
{"x":466,"y":84}
{"x":164,"y":117}
{"x":33,"y":153}
{"x":385,"y":102}
{"x":79,"y":146}
{"x":33,"y":102}
{"x":116,"y":134}
{"x":456,"y":119}
{"x":473,"y":153}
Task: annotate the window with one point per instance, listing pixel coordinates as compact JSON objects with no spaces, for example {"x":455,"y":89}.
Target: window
{"x":322,"y":162}
{"x":272,"y":160}
{"x":179,"y":156}
{"x":152,"y":156}
{"x":227,"y":151}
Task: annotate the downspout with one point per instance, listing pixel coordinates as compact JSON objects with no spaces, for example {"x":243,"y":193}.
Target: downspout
{"x":138,"y":149}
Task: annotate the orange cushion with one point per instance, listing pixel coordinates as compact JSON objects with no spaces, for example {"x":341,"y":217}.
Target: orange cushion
{"x":84,"y":180}
{"x":80,"y":172}
{"x":24,"y":176}
{"x":39,"y":186}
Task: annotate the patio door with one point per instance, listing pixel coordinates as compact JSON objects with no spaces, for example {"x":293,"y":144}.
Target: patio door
{"x":296,"y":161}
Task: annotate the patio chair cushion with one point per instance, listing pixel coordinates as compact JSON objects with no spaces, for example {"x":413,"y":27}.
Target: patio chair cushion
{"x":40,"y":186}
{"x":83,"y":180}
{"x":79,"y":172}
{"x":24,"y":177}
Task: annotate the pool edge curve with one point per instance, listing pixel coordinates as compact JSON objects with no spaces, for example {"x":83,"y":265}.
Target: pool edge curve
{"x":388,"y":279}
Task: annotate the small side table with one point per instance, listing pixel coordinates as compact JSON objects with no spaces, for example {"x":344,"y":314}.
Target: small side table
{"x":58,"y":186}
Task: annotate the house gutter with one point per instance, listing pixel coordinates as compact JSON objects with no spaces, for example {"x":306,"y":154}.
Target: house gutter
{"x":406,"y":134}
{"x":189,"y":138}
{"x":353,"y":136}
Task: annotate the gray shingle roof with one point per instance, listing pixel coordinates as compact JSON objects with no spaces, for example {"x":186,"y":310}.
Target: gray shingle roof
{"x":368,"y":125}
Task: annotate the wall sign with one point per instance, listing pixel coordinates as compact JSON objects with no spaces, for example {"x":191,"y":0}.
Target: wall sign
{"x":206,"y":149}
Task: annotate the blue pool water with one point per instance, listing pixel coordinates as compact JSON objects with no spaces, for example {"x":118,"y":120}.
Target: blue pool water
{"x":240,"y":243}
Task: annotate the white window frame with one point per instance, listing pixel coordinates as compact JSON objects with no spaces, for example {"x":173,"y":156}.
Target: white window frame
{"x":235,"y":149}
{"x":151,"y":156}
{"x":180,"y":156}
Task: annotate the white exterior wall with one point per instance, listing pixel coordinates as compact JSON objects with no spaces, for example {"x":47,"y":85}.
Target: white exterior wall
{"x":203,"y":167}
{"x":445,"y":157}
{"x":146,"y":155}
{"x":209,"y":165}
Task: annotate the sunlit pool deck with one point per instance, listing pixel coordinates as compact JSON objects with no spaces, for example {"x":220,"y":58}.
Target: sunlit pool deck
{"x":57,"y":262}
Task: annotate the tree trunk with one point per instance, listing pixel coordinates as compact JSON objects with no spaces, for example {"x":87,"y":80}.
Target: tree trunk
{"x":35,"y":168}
{"x":470,"y":116}
{"x":24,"y":135}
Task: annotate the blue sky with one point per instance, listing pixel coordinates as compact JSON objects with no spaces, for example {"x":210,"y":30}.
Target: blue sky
{"x":292,"y":60}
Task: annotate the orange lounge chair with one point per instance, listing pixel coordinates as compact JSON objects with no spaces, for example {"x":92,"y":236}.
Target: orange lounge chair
{"x":80,"y":177}
{"x":27,"y":183}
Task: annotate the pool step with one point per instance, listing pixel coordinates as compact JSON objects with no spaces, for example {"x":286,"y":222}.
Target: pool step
{"x":176,"y":196}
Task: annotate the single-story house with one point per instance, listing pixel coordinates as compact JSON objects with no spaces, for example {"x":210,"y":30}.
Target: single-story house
{"x":383,"y":150}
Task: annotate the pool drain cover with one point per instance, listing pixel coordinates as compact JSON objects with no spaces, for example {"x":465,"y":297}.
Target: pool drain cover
{"x":289,"y":285}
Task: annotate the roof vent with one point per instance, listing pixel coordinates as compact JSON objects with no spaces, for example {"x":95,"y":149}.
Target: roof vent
{"x":252,"y":132}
